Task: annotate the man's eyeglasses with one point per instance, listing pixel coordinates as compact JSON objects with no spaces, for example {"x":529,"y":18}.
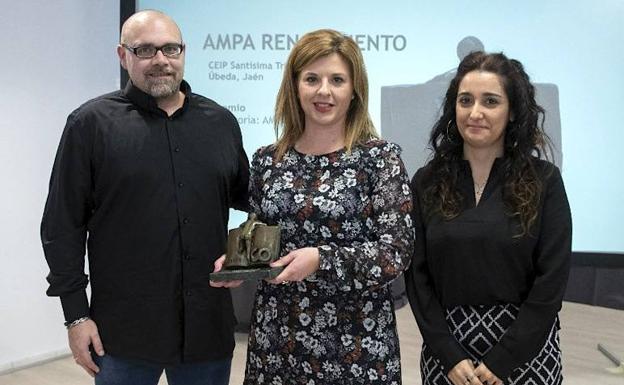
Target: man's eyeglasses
{"x":149,"y":51}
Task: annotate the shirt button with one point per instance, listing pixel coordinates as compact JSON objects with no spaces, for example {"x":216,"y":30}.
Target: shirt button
{"x":185,"y":220}
{"x":177,"y":149}
{"x":180,"y":184}
{"x":187,"y":257}
{"x":188,"y":293}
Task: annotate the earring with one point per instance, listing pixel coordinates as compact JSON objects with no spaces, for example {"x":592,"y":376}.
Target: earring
{"x":448,"y":134}
{"x":352,"y":97}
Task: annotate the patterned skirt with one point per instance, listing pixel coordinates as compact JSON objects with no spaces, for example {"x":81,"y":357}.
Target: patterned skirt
{"x":478,"y":329}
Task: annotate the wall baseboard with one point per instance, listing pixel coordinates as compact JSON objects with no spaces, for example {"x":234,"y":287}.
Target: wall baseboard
{"x":28,"y":362}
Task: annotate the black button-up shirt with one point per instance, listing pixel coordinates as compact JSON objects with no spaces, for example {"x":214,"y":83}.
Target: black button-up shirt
{"x":150,"y":194}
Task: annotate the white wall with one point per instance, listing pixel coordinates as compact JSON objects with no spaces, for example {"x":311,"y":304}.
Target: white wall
{"x":55,"y":55}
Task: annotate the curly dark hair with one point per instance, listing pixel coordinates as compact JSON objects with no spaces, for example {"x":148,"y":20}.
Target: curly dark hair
{"x":525,"y":141}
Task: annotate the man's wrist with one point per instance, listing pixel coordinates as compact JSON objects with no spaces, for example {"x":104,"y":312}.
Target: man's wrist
{"x":71,"y":324}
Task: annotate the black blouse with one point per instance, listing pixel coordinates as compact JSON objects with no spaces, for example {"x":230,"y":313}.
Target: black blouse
{"x":474,"y":259}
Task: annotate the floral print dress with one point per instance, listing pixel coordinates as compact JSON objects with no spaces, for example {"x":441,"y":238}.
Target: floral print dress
{"x":338,"y":325}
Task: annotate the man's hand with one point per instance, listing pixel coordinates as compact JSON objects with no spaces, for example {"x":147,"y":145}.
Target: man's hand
{"x":299,"y":264}
{"x":80,"y":337}
{"x":464,"y":374}
{"x":218,"y":265}
{"x":486,"y":376}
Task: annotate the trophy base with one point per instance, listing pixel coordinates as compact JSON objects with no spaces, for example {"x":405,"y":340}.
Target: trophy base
{"x":246,"y":274}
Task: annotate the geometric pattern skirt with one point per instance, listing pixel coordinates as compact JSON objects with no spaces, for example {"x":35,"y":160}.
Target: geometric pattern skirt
{"x":478,"y":329}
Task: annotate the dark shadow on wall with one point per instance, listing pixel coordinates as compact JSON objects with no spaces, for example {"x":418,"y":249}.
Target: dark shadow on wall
{"x":126,"y":9}
{"x":597,"y":279}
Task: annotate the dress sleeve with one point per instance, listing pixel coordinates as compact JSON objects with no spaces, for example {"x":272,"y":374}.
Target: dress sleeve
{"x":65,"y":217}
{"x":255,"y":181}
{"x":537,"y":314}
{"x":382,"y":257}
{"x":423,"y":300}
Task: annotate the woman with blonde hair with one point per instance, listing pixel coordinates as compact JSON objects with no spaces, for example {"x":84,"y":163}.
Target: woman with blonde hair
{"x":342,"y":199}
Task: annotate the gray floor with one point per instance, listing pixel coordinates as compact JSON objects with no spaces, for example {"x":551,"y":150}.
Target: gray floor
{"x":583,"y":327}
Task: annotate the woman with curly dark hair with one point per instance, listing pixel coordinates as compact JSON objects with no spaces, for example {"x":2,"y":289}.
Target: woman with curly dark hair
{"x":493,"y":229}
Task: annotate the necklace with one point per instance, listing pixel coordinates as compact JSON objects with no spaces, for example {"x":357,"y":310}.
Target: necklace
{"x":479,"y":187}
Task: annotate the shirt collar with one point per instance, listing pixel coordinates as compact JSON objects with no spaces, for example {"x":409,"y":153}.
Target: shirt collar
{"x":148,"y":102}
{"x":497,"y":166}
{"x":498,"y":162}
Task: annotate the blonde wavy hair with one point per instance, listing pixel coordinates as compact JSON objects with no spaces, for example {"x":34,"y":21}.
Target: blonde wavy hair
{"x":289,"y":116}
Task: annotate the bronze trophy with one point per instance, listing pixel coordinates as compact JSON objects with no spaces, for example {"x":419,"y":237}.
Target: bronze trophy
{"x":251,"y":248}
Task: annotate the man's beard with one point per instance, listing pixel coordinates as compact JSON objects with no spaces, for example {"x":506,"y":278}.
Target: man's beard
{"x":163,"y":88}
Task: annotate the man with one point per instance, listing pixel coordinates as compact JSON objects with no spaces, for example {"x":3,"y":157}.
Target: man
{"x":146,"y":176}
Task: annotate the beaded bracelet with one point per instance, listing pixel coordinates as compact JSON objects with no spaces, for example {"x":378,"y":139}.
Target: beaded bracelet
{"x":78,"y":321}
